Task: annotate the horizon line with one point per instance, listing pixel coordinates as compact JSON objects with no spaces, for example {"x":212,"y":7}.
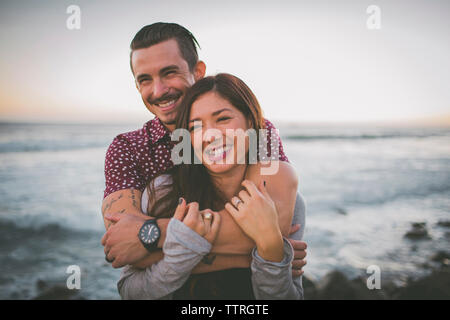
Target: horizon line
{"x":436,"y":121}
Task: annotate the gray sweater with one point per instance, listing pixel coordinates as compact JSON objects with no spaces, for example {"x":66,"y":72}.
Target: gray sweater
{"x":184,"y":249}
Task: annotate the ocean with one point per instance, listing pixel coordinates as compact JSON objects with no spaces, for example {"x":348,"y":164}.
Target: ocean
{"x":363,"y":185}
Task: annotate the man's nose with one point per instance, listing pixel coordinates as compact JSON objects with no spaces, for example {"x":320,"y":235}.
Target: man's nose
{"x":159,"y":89}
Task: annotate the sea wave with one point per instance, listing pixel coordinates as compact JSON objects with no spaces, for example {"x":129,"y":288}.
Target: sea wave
{"x":45,"y":137}
{"x":43,"y":146}
{"x":365,"y":198}
{"x":13,"y":233}
{"x":363,"y":136}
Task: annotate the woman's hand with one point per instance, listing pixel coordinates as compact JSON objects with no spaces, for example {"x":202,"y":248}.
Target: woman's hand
{"x":255,"y":212}
{"x":205,"y":223}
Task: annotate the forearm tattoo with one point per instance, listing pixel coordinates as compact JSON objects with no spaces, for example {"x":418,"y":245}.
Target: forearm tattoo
{"x":133,"y":197}
{"x":108,"y":205}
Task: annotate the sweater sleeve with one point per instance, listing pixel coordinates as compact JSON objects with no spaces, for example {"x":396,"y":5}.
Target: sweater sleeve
{"x":272,"y":280}
{"x":183,"y":250}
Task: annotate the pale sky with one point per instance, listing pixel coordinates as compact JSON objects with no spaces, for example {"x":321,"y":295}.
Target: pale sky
{"x":306,"y":61}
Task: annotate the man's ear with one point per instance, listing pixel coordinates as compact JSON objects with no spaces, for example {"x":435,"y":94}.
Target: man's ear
{"x":199,"y":70}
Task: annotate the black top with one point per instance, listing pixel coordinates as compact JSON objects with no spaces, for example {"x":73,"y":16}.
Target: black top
{"x":230,"y":284}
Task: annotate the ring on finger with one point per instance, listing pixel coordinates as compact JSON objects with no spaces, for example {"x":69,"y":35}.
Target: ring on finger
{"x":207,"y":216}
{"x":236,"y":202}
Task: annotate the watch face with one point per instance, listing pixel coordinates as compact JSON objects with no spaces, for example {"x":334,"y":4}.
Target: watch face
{"x":149,"y":233}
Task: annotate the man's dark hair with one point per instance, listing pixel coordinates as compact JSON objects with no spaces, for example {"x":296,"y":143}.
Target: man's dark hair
{"x":161,"y":31}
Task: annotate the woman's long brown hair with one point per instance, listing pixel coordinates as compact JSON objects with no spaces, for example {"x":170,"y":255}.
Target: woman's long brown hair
{"x":192,"y":181}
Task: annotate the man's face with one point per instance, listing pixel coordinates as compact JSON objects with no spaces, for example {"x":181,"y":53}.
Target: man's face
{"x":162,"y":78}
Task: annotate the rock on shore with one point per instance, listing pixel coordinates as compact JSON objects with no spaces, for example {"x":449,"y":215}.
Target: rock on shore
{"x":336,"y":286}
{"x":418,"y":231}
{"x":56,"y":292}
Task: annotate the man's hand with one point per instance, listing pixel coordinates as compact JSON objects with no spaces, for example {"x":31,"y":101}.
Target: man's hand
{"x":299,"y":253}
{"x":121,"y":242}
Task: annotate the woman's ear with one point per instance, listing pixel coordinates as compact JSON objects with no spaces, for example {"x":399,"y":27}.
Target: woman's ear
{"x":199,"y":70}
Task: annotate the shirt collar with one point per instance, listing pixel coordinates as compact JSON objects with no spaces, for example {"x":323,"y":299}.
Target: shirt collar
{"x":156,"y":130}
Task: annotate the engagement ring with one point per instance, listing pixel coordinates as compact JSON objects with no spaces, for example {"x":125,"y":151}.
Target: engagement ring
{"x":236,"y":203}
{"x":207,"y":216}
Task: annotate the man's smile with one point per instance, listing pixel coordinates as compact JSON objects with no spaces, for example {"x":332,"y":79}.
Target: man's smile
{"x":168,"y":103}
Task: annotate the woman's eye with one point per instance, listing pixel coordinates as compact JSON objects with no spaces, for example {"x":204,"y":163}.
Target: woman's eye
{"x":223,"y":118}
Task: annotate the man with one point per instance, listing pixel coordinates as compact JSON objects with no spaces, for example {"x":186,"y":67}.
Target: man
{"x":165,"y":64}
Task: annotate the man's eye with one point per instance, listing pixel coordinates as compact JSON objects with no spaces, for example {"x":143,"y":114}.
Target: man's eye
{"x":143,"y":81}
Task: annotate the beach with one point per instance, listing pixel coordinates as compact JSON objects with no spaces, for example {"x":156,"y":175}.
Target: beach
{"x":375,"y":196}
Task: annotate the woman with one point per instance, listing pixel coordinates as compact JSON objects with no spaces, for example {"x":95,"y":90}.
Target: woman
{"x":224,"y":186}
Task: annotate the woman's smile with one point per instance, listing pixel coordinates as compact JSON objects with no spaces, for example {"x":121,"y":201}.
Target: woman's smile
{"x":217,"y":153}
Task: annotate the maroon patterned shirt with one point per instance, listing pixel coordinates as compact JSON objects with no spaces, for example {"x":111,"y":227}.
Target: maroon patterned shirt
{"x":135,"y":158}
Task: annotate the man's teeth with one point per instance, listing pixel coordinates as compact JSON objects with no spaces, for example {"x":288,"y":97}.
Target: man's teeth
{"x":166,"y":104}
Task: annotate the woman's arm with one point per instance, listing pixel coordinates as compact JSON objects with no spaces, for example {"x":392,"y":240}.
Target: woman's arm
{"x":282,"y":188}
{"x":273,"y":280}
{"x":262,"y":219}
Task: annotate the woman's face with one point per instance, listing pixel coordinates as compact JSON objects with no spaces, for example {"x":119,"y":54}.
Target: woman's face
{"x":218,"y":132}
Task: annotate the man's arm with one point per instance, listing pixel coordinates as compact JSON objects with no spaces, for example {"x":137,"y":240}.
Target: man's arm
{"x":122,"y":243}
{"x":129,"y":201}
{"x":222,"y":262}
{"x":127,"y":248}
{"x":122,"y":201}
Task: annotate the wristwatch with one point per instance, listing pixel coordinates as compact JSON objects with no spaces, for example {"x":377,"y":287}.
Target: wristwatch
{"x":149,"y":235}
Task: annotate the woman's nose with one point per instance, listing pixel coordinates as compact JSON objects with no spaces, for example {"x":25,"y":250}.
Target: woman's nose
{"x":211,"y":134}
{"x":207,"y":136}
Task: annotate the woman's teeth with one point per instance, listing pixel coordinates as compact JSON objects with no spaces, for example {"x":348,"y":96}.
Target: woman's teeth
{"x":218,"y":152}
